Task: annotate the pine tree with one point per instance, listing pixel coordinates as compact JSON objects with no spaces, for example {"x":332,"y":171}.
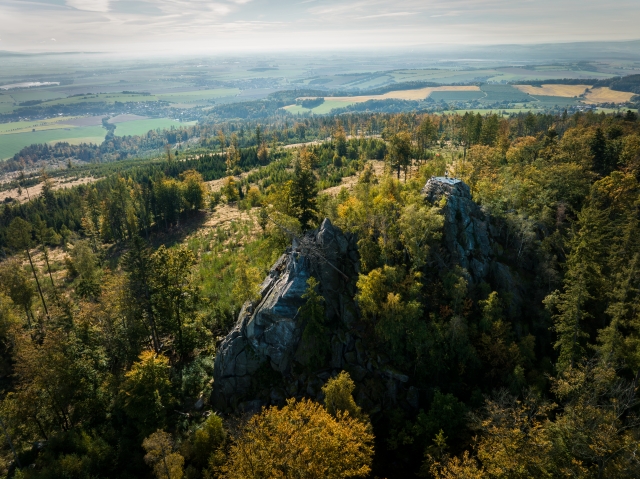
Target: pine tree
{"x":304,"y":190}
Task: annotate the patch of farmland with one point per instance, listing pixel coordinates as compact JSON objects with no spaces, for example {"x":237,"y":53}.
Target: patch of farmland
{"x":38,"y":125}
{"x":85,"y":121}
{"x":553,"y":90}
{"x":126,"y":117}
{"x":34,"y":95}
{"x":13,"y":143}
{"x":198,"y":95}
{"x":102,"y":97}
{"x":607,"y":95}
{"x":456,"y":95}
{"x":141,"y":127}
{"x":504,"y":93}
{"x":550,"y":101}
{"x":418,"y":94}
{"x":322,"y":109}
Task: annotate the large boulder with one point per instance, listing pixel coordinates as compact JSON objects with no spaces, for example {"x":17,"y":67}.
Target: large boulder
{"x":254,"y":361}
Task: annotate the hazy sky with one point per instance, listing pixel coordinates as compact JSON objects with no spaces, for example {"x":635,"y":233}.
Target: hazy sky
{"x":224,"y":25}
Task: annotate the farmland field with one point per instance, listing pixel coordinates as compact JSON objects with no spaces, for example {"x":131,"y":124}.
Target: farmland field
{"x":456,"y":95}
{"x":606,"y":95}
{"x":417,"y":94}
{"x":38,"y":125}
{"x":11,"y":144}
{"x":504,"y":93}
{"x":553,"y":90}
{"x":326,"y":107}
{"x":140,"y":127}
{"x":550,"y":101}
{"x":197,"y":95}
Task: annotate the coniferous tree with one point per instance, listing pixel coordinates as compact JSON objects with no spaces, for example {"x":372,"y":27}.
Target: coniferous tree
{"x":304,"y":190}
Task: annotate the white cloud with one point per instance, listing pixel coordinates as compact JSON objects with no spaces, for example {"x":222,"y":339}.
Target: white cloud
{"x":90,"y":5}
{"x":392,"y":14}
{"x":450,"y":14}
{"x":297,"y":24}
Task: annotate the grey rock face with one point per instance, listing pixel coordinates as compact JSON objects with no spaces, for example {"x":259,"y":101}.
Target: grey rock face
{"x":469,"y":239}
{"x":466,"y":238}
{"x":267,"y":334}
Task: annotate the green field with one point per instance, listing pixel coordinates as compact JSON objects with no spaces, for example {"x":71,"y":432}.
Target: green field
{"x":551,"y":101}
{"x":26,"y":126}
{"x":140,"y":127}
{"x":326,"y":107}
{"x":13,"y":143}
{"x":197,"y":95}
{"x":101,"y":97}
{"x":34,"y":94}
{"x":504,"y":93}
{"x":456,"y":95}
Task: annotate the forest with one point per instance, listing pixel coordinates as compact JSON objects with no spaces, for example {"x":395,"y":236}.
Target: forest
{"x":489,"y":332}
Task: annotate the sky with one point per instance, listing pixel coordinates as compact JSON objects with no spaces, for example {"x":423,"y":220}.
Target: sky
{"x":197,"y":26}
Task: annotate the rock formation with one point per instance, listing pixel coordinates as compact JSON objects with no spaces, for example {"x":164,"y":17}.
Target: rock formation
{"x":266,"y":341}
{"x":265,"y":358}
{"x":469,"y":238}
{"x":466,"y":238}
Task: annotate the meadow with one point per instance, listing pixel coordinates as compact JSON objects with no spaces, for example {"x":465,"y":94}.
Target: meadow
{"x":141,"y":127}
{"x":12,"y":143}
{"x":38,"y":125}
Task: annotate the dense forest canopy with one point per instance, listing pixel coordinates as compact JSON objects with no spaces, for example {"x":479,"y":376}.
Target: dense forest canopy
{"x":116,"y":294}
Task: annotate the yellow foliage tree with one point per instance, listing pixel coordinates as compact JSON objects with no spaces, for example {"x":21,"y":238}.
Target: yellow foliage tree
{"x":338,"y":396}
{"x":301,"y":440}
{"x":166,"y":463}
{"x":247,"y":283}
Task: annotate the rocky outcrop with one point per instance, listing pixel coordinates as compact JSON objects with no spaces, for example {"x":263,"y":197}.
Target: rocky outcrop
{"x":265,"y":346}
{"x":266,"y":358}
{"x":470,"y":239}
{"x":467,"y":240}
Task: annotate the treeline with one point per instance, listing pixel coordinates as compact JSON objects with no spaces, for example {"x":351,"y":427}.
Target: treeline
{"x":630,"y":83}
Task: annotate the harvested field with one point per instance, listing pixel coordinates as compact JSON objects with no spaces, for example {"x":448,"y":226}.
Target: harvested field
{"x":419,"y":94}
{"x":554,"y":90}
{"x":607,"y":95}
